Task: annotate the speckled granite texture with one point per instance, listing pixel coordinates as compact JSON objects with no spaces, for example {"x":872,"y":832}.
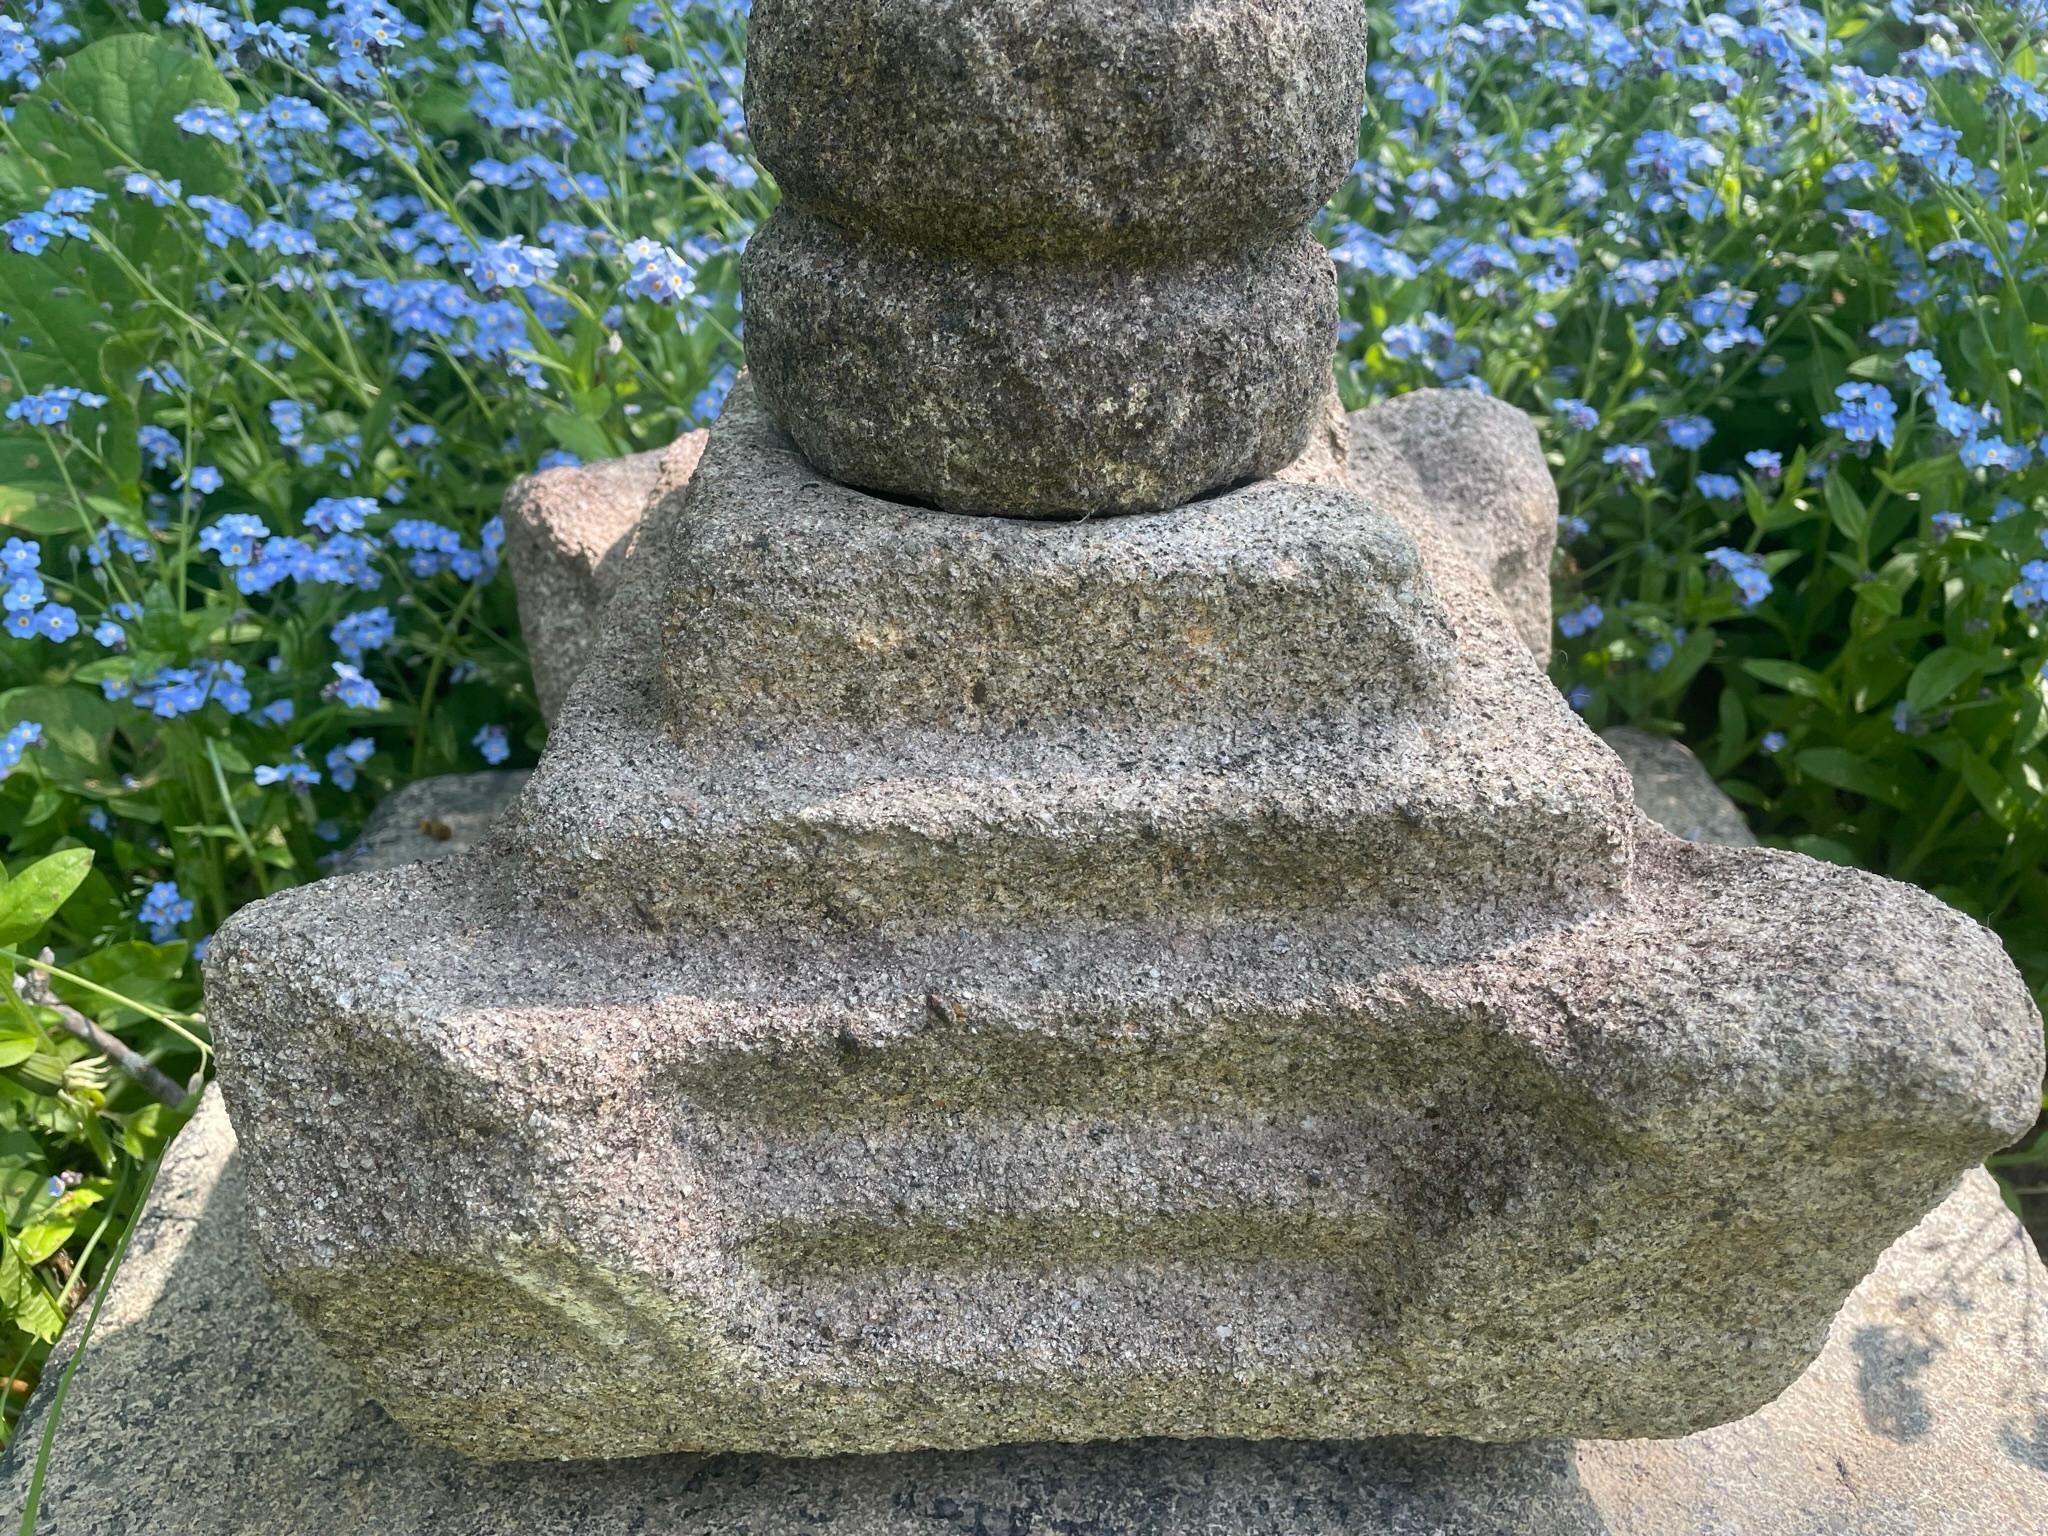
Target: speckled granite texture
{"x":1674,"y":789}
{"x":433,"y":819}
{"x":204,"y":1408}
{"x":1128,"y":313}
{"x":899,"y":1013}
{"x":564,"y":532}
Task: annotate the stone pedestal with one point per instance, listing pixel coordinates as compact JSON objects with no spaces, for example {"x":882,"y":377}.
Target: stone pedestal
{"x":956,"y":980}
{"x":205,"y":1409}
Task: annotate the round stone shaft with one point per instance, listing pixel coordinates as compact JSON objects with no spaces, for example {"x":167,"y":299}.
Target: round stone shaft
{"x":1048,"y":258}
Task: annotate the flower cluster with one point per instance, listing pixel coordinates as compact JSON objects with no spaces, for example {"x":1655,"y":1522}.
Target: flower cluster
{"x":295,"y":291}
{"x":17,"y":740}
{"x":1765,"y":274}
{"x":342,"y":328}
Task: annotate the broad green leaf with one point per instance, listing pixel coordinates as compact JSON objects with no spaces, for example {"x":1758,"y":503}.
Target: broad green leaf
{"x":110,"y":109}
{"x":113,"y":108}
{"x":1939,"y":675}
{"x":24,"y":1299}
{"x":1846,"y":770}
{"x":38,"y":1240}
{"x":145,"y":1133}
{"x":33,"y":496}
{"x":1790,"y":676}
{"x":77,"y":724}
{"x":53,"y":322}
{"x":582,"y":437}
{"x":151,"y":974}
{"x":40,"y":515}
{"x":32,"y":897}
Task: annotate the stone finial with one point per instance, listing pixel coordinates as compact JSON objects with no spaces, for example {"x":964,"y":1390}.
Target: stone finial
{"x":1048,"y":258}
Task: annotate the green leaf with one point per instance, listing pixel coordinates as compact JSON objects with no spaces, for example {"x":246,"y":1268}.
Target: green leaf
{"x":40,"y":1239}
{"x":127,"y":91}
{"x":24,"y":1299}
{"x":2033,"y":722}
{"x":17,"y":1044}
{"x":55,"y":322}
{"x":151,"y":974}
{"x":1824,"y":848}
{"x":77,"y":724}
{"x":1792,"y":677}
{"x":1846,"y":770}
{"x":1733,"y":735}
{"x":1939,"y":675}
{"x":110,"y":109}
{"x":1998,"y":798}
{"x":145,"y":1133}
{"x":1848,"y":511}
{"x":582,"y":437}
{"x":32,"y":897}
{"x":1745,"y":793}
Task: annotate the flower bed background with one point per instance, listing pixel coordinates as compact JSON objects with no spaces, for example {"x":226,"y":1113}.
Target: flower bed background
{"x":292,"y":293}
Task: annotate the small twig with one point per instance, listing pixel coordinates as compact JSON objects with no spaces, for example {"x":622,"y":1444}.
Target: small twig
{"x":35,"y":989}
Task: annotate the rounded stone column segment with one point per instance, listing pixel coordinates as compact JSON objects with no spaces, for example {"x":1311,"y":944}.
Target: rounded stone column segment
{"x":1048,"y":258}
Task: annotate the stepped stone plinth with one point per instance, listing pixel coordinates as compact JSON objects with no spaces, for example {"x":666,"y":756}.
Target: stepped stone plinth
{"x":1926,"y":1411}
{"x":961,"y":979}
{"x":958,"y":980}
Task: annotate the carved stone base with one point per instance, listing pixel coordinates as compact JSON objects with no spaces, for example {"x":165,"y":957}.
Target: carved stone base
{"x":203,"y":1408}
{"x":957,"y":981}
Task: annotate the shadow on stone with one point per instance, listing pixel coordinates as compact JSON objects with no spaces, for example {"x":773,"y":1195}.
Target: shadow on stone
{"x":1888,"y":1363}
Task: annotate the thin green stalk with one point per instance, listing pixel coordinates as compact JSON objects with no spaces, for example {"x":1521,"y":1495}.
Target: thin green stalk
{"x":33,"y":1503}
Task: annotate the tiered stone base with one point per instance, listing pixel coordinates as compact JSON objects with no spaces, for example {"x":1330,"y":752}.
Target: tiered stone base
{"x":204,"y":1408}
{"x":958,"y":981}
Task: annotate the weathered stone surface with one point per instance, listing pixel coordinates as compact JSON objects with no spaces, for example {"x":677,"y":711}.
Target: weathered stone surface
{"x":1242,"y":705}
{"x":1478,"y":467}
{"x":1016,"y":128}
{"x":204,"y":1408}
{"x":1927,"y":1412}
{"x":560,"y":527}
{"x":1267,"y":602}
{"x":1675,"y":790}
{"x":434,"y":819}
{"x":1133,"y":313}
{"x":804,"y":1072}
{"x":1042,"y":390}
{"x":576,"y":578}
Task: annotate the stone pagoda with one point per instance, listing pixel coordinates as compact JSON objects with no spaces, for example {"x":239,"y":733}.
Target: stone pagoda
{"x":1062,"y":905}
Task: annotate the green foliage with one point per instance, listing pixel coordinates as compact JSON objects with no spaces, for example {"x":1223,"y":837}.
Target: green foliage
{"x":282,"y":314}
{"x":73,"y":1132}
{"x":1771,"y":278}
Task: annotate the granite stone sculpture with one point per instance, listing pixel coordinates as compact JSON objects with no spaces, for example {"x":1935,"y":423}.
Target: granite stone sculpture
{"x":1048,"y":258}
{"x":957,"y":979}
